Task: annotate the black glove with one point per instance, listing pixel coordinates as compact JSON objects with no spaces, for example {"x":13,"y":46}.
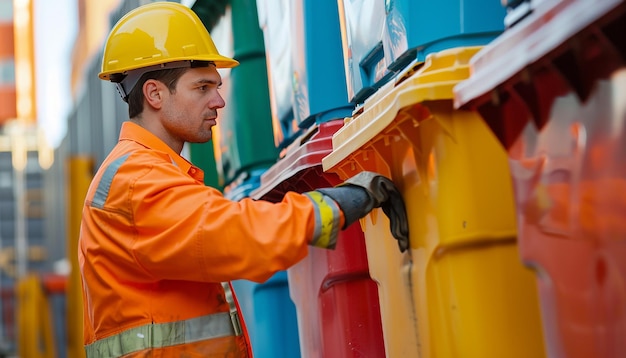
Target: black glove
{"x":365,"y":191}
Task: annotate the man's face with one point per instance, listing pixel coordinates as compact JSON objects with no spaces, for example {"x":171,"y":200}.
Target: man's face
{"x":190,"y":111}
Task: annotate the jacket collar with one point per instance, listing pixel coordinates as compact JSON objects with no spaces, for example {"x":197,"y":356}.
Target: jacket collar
{"x":136,"y":133}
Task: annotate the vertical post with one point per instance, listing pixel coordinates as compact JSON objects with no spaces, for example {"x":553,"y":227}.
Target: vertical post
{"x":80,"y":175}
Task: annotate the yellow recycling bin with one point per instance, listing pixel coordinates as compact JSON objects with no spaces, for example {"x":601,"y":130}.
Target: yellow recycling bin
{"x":461,"y":289}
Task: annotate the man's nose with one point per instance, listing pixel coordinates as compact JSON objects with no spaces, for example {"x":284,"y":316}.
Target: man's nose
{"x":218,"y":102}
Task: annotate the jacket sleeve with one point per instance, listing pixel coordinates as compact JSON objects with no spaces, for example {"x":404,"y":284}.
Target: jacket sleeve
{"x":182,"y":230}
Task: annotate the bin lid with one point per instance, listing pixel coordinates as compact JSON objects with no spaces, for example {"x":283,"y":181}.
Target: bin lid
{"x":432,"y":80}
{"x":551,"y":24}
{"x":302,"y":156}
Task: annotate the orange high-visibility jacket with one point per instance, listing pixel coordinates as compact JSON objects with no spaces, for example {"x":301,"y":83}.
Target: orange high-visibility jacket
{"x":156,"y":244}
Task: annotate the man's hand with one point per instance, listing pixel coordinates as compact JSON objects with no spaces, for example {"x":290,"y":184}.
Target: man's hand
{"x":365,"y":191}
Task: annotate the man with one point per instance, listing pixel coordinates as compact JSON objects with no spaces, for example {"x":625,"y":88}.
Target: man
{"x":155,"y":243}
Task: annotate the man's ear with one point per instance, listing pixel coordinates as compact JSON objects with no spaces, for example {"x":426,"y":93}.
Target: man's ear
{"x":152,"y":92}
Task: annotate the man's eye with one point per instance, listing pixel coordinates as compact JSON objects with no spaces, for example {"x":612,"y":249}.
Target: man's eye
{"x":203,"y":88}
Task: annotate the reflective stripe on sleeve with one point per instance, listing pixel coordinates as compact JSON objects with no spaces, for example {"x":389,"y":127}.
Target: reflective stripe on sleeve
{"x":327,"y":220}
{"x":161,"y":335}
{"x":102,"y":192}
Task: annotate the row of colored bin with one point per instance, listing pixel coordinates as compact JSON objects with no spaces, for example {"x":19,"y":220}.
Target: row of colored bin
{"x":306,"y":77}
{"x":324,"y":280}
{"x":461,"y":290}
{"x":373,"y":311}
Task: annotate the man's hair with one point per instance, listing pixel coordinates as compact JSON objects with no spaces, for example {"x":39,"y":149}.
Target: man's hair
{"x":168,"y":77}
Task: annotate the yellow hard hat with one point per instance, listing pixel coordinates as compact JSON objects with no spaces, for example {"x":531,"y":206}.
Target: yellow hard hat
{"x":156,"y":34}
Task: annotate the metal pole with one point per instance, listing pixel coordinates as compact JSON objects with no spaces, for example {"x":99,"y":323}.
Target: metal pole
{"x":19,"y":161}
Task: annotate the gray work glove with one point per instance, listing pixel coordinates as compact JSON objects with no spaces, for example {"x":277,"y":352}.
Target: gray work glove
{"x":365,"y":191}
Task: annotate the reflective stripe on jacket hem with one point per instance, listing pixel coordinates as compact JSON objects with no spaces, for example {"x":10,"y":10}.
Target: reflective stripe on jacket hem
{"x":159,"y":335}
{"x":327,"y":220}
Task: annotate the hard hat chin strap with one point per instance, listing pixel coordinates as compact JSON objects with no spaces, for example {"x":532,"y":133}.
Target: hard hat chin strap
{"x":130,"y":78}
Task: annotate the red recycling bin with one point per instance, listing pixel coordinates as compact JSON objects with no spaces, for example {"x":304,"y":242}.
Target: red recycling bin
{"x":336,"y":300}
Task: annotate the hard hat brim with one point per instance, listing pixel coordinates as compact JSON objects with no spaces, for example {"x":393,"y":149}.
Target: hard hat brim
{"x":218,"y":60}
